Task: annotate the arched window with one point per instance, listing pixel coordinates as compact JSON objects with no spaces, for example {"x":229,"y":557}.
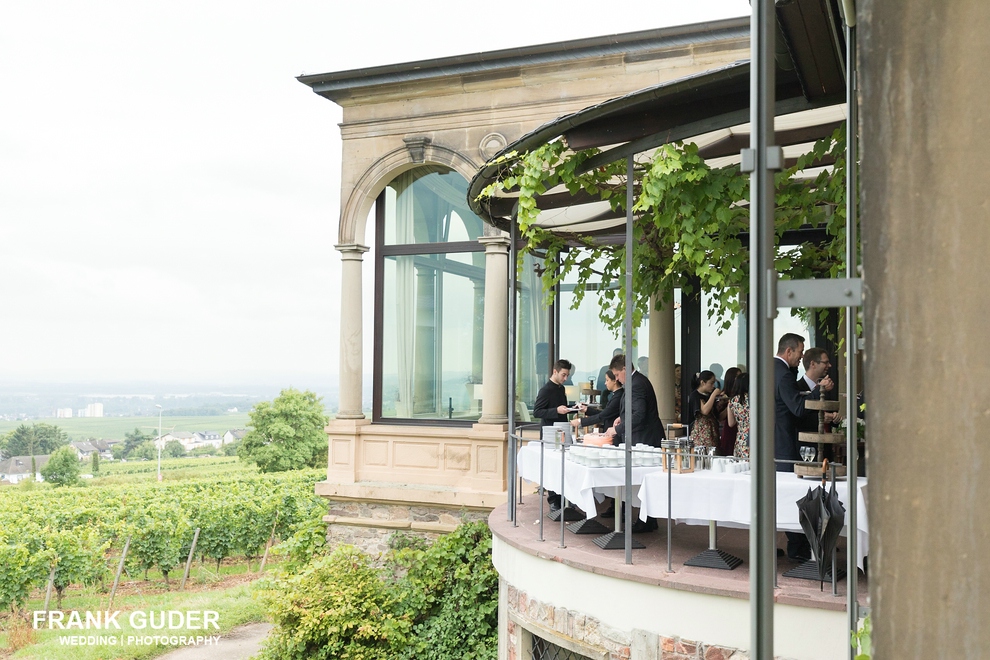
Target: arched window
{"x":429,"y":300}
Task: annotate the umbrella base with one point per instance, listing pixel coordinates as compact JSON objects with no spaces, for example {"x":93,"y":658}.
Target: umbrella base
{"x":715,"y":558}
{"x":809,"y":571}
{"x":570,"y":515}
{"x":616,"y":541}
{"x":588,"y":526}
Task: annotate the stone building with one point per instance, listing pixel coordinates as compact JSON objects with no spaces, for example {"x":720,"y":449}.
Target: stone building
{"x":435,"y":445}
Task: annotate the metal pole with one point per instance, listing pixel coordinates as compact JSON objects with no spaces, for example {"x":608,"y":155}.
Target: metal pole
{"x":543,"y":490}
{"x":628,"y":415}
{"x":852,"y":412}
{"x":670,"y":473}
{"x":762,"y":310}
{"x":511,"y":399}
{"x":563,"y":499}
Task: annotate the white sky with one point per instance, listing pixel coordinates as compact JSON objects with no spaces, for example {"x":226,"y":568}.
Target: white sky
{"x":169,"y":192}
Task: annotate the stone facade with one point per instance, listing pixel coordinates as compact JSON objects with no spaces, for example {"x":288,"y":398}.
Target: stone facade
{"x":370,"y":525}
{"x":586,"y":635}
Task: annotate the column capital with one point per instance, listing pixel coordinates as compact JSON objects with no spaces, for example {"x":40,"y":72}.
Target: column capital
{"x":495,"y":243}
{"x":351,"y":251}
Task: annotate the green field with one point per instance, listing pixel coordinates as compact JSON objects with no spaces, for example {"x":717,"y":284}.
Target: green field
{"x":114,"y":428}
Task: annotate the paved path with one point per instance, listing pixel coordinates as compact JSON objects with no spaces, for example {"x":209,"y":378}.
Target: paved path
{"x":239,"y":644}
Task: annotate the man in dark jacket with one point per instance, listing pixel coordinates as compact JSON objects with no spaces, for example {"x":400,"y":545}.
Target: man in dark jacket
{"x":551,"y":407}
{"x":788,"y":410}
{"x":645,"y":420}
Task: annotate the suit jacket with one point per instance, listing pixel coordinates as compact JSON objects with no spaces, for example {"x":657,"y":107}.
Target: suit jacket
{"x":809,"y":420}
{"x":646,"y":425}
{"x":788,"y":413}
{"x":606,"y":415}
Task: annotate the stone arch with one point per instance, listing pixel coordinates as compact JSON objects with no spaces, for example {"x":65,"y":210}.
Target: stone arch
{"x":354,"y":214}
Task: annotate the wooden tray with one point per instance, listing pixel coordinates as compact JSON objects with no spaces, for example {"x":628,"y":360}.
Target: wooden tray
{"x":827,"y":406}
{"x":814,"y":470}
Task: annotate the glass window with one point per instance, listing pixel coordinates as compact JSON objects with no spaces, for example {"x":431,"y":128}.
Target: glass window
{"x":427,"y":205}
{"x":430,"y":300}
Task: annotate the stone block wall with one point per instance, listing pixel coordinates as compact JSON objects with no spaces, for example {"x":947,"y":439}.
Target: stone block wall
{"x":369,"y":525}
{"x":590,"y":637}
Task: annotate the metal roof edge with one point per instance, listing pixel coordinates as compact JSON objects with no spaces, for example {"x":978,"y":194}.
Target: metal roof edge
{"x":336,"y":84}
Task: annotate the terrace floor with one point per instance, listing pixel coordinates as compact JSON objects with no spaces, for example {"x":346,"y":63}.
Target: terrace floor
{"x":649,"y":565}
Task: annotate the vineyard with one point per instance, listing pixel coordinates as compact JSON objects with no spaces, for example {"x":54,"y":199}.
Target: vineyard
{"x":76,"y":536}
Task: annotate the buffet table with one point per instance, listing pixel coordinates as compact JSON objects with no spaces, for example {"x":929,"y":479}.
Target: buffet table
{"x":583,"y":485}
{"x":701,"y":496}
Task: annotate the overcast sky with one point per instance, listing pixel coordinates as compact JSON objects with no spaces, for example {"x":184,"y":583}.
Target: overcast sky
{"x":169,"y":192}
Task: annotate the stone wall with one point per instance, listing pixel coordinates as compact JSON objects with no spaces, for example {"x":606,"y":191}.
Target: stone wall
{"x":369,"y":525}
{"x":588,"y":636}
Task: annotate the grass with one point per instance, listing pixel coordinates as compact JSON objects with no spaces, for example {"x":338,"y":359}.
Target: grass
{"x":231,"y":596}
{"x":114,"y":428}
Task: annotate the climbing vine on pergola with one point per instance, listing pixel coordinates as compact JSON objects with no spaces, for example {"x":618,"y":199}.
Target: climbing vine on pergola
{"x":688,"y":218}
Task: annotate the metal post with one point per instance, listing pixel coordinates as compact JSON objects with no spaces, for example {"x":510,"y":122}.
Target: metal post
{"x":852,"y":412}
{"x":543,"y":491}
{"x":628,"y":415}
{"x":563,"y":499}
{"x":670,"y":489}
{"x":762,"y":310}
{"x":511,"y":399}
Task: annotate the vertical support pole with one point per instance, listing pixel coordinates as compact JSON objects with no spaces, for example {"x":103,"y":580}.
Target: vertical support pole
{"x":511,"y":353}
{"x":192,"y":552}
{"x":628,"y":414}
{"x":852,"y":412}
{"x":763,"y":309}
{"x":120,"y":568}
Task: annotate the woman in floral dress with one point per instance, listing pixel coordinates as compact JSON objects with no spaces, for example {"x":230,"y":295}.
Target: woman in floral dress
{"x":702,"y":411}
{"x":738,"y":415}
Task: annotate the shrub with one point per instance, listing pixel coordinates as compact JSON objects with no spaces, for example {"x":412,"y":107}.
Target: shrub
{"x":337,"y":607}
{"x":438,"y":602}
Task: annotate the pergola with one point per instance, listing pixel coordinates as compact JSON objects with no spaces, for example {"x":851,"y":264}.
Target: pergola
{"x":796,"y":89}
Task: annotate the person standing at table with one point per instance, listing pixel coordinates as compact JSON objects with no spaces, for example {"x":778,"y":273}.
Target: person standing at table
{"x":727,"y":434}
{"x":551,"y":407}
{"x":738,"y":415}
{"x":606,"y":416}
{"x":646,"y":426}
{"x":702,"y":411}
{"x":788,"y":410}
{"x":603,"y":392}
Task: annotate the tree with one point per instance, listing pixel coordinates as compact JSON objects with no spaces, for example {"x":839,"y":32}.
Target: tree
{"x":62,"y":468}
{"x":34,"y":440}
{"x":96,"y":463}
{"x":146,"y":450}
{"x":174,"y":449}
{"x":287,"y":433}
{"x":132,"y":440}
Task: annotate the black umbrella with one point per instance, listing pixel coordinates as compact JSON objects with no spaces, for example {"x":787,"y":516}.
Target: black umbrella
{"x":822,"y":517}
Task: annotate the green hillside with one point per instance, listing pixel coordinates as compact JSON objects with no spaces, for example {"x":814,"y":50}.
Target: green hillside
{"x":110,"y":428}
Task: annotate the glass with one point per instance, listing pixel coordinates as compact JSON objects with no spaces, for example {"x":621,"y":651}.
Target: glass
{"x":429,"y":205}
{"x":808,"y":454}
{"x":431,"y":349}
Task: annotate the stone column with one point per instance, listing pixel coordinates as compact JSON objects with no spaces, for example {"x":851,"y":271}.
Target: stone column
{"x":494,"y":409}
{"x":351,"y":332}
{"x":662,"y":357}
{"x":926,"y":235}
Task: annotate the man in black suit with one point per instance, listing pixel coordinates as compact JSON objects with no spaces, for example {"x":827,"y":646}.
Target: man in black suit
{"x":816,"y":366}
{"x":788,"y":411}
{"x":645,"y":421}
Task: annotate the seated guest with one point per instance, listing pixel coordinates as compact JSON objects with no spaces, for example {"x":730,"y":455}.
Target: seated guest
{"x":606,"y":416}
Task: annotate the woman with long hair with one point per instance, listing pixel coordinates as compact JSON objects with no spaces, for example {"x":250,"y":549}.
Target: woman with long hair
{"x":738,"y":415}
{"x":727,"y":439}
{"x":702,"y":411}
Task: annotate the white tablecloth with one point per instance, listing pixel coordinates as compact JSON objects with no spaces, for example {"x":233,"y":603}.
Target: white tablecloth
{"x":583,"y":485}
{"x":701,"y":496}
